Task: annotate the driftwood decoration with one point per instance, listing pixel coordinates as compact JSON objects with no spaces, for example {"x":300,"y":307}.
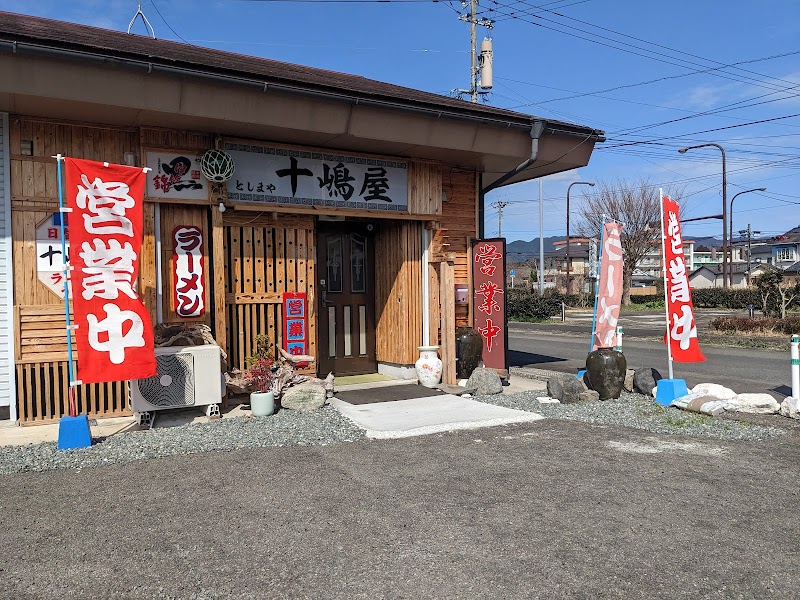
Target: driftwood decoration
{"x":285,"y":376}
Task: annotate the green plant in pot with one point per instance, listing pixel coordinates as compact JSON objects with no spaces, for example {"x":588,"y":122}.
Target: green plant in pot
{"x":259,"y":377}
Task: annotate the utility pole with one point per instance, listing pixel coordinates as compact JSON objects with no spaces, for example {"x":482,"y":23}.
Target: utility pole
{"x":474,"y":69}
{"x":500,"y":206}
{"x":749,"y":233}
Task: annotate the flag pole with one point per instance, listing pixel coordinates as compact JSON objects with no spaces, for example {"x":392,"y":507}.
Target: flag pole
{"x":664,"y":264}
{"x":597,"y":282}
{"x":73,"y":409}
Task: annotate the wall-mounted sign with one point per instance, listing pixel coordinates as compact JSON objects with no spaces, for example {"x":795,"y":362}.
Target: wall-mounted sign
{"x":187,"y":260}
{"x":282,"y":176}
{"x":295,"y":329}
{"x":489,"y":314}
{"x":175,"y":176}
{"x":49,"y":261}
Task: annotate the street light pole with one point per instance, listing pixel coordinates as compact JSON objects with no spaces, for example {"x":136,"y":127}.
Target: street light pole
{"x":724,"y":207}
{"x":761,"y":189}
{"x":568,"y":190}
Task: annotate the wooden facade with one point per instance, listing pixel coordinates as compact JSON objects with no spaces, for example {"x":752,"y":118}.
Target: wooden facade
{"x":252,"y":255}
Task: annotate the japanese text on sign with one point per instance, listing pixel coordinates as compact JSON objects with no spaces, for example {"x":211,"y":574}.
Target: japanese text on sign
{"x":609,"y":292}
{"x":489,"y":316}
{"x":279,"y":175}
{"x":189,"y":292}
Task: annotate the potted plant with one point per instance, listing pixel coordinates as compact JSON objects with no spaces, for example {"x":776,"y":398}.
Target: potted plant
{"x":259,"y":379}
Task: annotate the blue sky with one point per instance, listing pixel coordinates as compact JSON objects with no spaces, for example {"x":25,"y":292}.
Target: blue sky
{"x":423,"y":45}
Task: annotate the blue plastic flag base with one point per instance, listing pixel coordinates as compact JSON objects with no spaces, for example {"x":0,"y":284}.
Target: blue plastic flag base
{"x":670,"y":389}
{"x":73,"y":432}
{"x":580,"y":374}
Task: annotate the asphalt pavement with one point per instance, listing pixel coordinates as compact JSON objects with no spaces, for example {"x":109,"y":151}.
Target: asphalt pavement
{"x":741,"y":369}
{"x":551,"y":509}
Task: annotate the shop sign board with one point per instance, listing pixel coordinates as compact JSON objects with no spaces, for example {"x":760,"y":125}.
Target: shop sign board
{"x":175,"y":176}
{"x":489,"y":285}
{"x":49,"y":259}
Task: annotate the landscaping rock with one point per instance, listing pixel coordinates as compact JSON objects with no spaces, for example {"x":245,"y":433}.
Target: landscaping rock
{"x":790,"y":407}
{"x":628,"y":385}
{"x":485,"y":381}
{"x":714,"y":389}
{"x":555,"y":387}
{"x":761,"y":404}
{"x":306,"y":396}
{"x":589,"y":396}
{"x":645,"y":379}
{"x":573,"y":388}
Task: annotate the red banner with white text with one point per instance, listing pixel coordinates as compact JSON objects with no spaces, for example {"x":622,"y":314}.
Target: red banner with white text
{"x":681,"y":329}
{"x":609,"y":288}
{"x":489,"y":312}
{"x":114,"y":334}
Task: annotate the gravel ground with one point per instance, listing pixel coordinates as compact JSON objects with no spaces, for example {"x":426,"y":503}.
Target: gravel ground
{"x":327,"y":426}
{"x":285,"y":428}
{"x":640,"y":412}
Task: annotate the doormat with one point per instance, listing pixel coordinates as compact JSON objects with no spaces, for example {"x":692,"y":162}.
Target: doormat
{"x":387,"y":394}
{"x":367,"y":378}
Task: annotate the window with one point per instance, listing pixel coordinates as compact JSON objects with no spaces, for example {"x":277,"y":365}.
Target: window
{"x":784,"y":254}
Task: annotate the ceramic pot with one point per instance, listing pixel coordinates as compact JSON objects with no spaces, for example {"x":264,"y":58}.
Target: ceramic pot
{"x":605,"y":370}
{"x":262,"y":404}
{"x":469,"y":351}
{"x":429,"y":366}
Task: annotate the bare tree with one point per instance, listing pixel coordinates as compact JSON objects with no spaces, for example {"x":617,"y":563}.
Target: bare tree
{"x":634,"y":203}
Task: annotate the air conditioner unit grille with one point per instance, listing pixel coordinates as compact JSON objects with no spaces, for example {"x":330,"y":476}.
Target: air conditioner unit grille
{"x":173,"y":385}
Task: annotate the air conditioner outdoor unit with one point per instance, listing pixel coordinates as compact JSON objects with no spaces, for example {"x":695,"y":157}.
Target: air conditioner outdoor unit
{"x":187,"y":376}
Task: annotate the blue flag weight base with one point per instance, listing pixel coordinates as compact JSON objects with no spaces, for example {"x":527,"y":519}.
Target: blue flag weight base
{"x":668,"y":390}
{"x":73,"y":432}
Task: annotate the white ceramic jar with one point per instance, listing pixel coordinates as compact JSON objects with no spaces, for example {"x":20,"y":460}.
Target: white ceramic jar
{"x":429,"y":366}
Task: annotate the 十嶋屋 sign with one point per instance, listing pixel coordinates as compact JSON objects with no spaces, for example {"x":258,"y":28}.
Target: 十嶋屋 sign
{"x":49,"y":261}
{"x":114,"y":334}
{"x":175,"y":176}
{"x":283,"y":176}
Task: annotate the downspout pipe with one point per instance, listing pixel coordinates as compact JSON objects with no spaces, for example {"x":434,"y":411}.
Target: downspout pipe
{"x":537,"y":128}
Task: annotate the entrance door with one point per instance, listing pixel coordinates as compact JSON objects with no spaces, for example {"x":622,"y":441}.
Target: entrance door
{"x":346,"y":278}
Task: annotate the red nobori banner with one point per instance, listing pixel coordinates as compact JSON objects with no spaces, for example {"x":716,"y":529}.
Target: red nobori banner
{"x":489,"y":312}
{"x":681,"y":329}
{"x":187,"y":261}
{"x":609,"y":289}
{"x":114,"y":333}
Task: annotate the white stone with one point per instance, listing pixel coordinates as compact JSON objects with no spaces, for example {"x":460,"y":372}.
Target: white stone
{"x":547,"y":400}
{"x":790,"y":407}
{"x":714,"y":389}
{"x":754,"y":403}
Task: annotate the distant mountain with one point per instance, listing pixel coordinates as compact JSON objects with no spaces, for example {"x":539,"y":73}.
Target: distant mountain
{"x":520,"y":251}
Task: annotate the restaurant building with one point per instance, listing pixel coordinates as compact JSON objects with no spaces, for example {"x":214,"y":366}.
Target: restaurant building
{"x":360,"y":196}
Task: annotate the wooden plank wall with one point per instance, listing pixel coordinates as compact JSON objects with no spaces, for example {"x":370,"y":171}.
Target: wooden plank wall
{"x":266,"y":255}
{"x":398,"y":291}
{"x":42,"y":381}
{"x":424,"y":188}
{"x":458,"y":227}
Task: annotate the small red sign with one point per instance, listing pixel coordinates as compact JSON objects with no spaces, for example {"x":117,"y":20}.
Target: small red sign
{"x":489,"y":288}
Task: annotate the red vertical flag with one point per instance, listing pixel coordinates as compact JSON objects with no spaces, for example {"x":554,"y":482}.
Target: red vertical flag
{"x":114,"y":334}
{"x":681,"y":329}
{"x":609,"y":291}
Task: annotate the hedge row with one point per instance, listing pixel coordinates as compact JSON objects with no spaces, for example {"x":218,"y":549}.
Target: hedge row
{"x":788,"y":326}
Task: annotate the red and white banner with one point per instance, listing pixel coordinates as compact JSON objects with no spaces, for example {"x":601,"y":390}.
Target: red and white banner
{"x":609,"y":290}
{"x":489,"y":314}
{"x":114,"y":333}
{"x":187,"y":263}
{"x":681,"y":329}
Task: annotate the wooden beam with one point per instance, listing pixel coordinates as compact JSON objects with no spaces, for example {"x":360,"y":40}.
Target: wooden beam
{"x":218,"y":288}
{"x":448,"y":303}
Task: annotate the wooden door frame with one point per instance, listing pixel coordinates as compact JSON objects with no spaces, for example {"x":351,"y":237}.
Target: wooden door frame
{"x":366,"y":228}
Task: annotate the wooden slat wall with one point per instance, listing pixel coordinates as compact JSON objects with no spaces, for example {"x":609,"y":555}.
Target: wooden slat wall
{"x":398,"y":292}
{"x":424,"y":188}
{"x":42,"y":381}
{"x":264,"y":258}
{"x":458,"y":226}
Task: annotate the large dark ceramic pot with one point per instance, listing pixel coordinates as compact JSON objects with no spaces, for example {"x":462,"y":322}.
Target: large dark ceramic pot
{"x":605,"y":369}
{"x":469,"y":350}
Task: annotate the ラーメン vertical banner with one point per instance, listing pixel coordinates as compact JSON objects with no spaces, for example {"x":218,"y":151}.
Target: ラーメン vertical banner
{"x":609,"y":289}
{"x":489,"y":312}
{"x":681,"y":329}
{"x":114,"y":333}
